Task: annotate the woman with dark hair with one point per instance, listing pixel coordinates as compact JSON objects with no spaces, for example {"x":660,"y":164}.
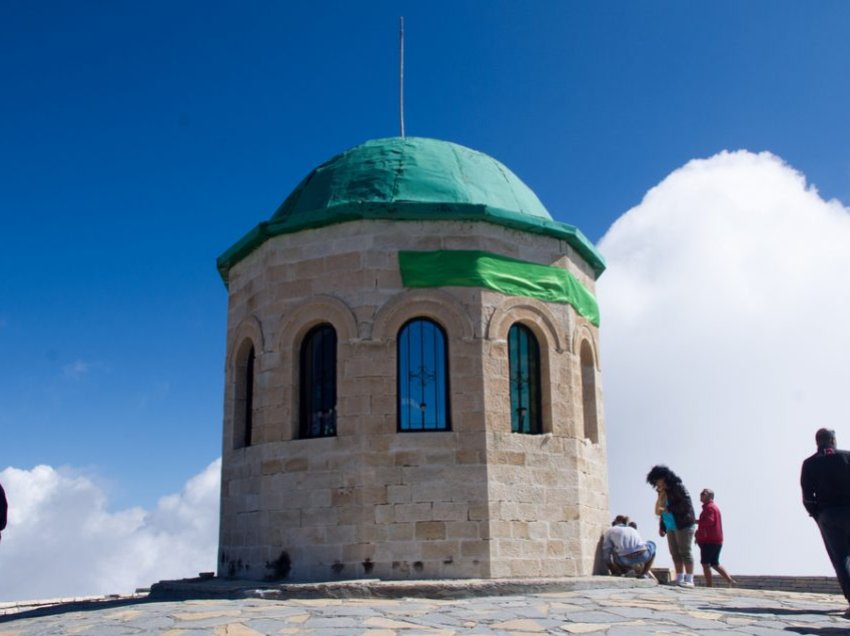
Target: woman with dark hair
{"x":676,"y":520}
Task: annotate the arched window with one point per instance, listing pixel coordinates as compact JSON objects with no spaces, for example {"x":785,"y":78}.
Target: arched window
{"x":588,"y":392}
{"x":423,"y":378}
{"x":243,"y":420}
{"x":524,"y":361}
{"x":318,"y":383}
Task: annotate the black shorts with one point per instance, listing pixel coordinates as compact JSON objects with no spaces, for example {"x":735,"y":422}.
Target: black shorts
{"x":709,"y":553}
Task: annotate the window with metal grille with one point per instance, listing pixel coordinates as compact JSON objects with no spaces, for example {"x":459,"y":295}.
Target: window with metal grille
{"x":318,"y":383}
{"x":524,"y":361}
{"x":423,"y":379}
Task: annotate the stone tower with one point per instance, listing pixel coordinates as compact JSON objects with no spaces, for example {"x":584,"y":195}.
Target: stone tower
{"x":412,"y":377}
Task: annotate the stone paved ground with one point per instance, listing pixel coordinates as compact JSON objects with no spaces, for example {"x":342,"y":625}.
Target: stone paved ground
{"x":641,"y":610}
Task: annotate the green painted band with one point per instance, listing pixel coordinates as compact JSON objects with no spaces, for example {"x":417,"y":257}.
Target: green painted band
{"x":469,"y":268}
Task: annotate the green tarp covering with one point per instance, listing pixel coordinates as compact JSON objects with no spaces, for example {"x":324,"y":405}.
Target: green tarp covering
{"x":411,"y":179}
{"x":411,"y":170}
{"x":468,"y":268}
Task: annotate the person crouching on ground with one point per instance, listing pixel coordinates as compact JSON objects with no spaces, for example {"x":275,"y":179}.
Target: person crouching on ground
{"x":709,"y":537}
{"x":676,"y":521}
{"x":624,"y":551}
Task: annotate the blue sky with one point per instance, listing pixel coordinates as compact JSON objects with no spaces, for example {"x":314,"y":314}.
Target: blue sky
{"x":140,"y":140}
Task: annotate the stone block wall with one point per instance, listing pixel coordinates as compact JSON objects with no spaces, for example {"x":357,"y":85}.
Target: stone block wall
{"x":549,"y":492}
{"x":802,"y":584}
{"x":476,"y":501}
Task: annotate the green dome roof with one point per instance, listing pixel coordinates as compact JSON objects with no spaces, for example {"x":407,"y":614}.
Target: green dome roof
{"x":396,"y":172}
{"x":411,"y":179}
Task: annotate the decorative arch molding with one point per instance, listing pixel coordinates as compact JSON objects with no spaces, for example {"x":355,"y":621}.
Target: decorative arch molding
{"x":530,"y":312}
{"x":250,"y":329}
{"x":589,"y":390}
{"x":542,"y":323}
{"x":433,"y":303}
{"x":312,"y":312}
{"x":293,"y":327}
{"x":247,"y":347}
{"x":583,"y":334}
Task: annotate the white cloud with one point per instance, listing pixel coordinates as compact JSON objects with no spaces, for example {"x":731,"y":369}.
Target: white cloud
{"x":725,"y":345}
{"x":76,"y":370}
{"x":82,"y":369}
{"x":63,"y":541}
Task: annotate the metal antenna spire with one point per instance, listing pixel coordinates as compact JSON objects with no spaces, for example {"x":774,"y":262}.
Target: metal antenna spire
{"x":401,"y":73}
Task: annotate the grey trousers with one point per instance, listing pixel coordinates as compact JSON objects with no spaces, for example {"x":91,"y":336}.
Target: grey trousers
{"x":681,"y":544}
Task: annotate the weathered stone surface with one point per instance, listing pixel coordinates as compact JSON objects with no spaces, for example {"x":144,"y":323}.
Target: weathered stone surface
{"x":509,"y":504}
{"x":581,"y":605}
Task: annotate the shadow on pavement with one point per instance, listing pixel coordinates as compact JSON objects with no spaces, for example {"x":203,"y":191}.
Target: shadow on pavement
{"x":819,"y":631}
{"x":73,"y":606}
{"x":776,"y":611}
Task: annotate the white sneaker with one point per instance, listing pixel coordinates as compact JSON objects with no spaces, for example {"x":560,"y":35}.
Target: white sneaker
{"x":685,"y":583}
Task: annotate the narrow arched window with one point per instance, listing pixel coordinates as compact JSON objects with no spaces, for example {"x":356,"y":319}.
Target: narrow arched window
{"x":588,"y":392}
{"x":318,"y":383}
{"x":423,"y":378}
{"x":243,"y":420}
{"x":524,"y":361}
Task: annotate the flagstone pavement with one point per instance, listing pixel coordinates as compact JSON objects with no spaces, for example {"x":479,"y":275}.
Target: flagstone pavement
{"x":660,"y":609}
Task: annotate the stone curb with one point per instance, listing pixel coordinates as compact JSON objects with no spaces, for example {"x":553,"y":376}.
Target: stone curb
{"x":186,"y":589}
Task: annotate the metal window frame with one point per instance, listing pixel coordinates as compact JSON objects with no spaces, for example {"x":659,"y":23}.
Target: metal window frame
{"x":525,"y":396}
{"x":441,"y":389}
{"x":321,"y":374}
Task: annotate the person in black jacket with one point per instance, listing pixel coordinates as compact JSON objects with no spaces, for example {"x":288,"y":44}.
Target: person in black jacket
{"x":825,"y":481}
{"x":4,"y":507}
{"x":677,"y":521}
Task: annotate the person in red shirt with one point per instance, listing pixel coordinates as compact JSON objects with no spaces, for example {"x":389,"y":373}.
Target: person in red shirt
{"x":709,"y":537}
